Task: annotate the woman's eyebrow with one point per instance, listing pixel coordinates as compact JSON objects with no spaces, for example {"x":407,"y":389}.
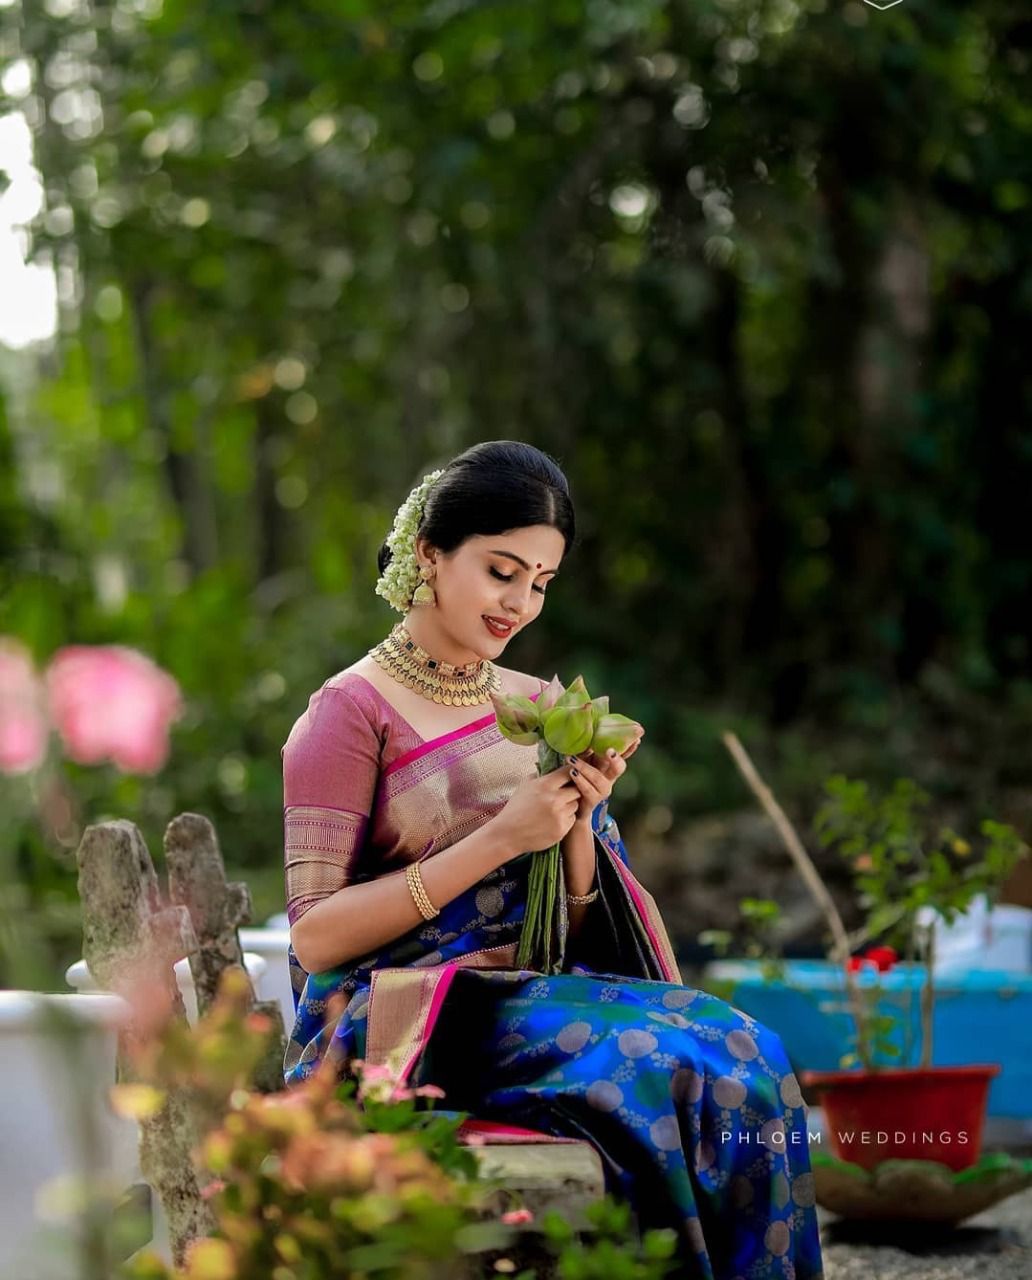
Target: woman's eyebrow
{"x":497,"y":551}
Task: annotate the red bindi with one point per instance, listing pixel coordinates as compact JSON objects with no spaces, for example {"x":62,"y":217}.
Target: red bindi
{"x":539,"y":564}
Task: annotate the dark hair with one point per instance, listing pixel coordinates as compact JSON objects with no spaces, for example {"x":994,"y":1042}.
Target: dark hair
{"x":494,"y":487}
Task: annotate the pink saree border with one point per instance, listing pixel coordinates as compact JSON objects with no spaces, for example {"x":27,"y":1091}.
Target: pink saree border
{"x":431,"y":744}
{"x":436,"y":1003}
{"x":631,"y":884}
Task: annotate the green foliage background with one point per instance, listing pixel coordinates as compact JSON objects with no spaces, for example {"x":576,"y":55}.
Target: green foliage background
{"x":757,"y":274}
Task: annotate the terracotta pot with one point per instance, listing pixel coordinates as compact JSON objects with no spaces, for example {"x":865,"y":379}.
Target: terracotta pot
{"x":905,"y":1113}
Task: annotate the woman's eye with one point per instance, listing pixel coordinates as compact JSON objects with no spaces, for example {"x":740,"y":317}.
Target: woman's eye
{"x":509,"y":577}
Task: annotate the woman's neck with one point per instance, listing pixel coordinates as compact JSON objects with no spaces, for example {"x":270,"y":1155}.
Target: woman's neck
{"x":440,"y":646}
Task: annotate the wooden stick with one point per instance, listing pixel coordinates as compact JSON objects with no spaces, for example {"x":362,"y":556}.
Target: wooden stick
{"x":804,"y":865}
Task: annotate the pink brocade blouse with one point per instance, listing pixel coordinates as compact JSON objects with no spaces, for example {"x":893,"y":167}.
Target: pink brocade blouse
{"x":348,"y":817}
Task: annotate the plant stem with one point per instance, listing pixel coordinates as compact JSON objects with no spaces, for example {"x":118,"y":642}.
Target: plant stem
{"x":811,"y":878}
{"x":928,"y":998}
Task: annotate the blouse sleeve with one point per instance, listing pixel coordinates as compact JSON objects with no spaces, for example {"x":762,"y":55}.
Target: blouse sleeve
{"x":331,"y":763}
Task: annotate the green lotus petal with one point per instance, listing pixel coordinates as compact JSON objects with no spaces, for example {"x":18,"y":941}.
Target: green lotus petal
{"x":614,"y":730}
{"x":576,"y":694}
{"x":517,"y":718}
{"x":599,"y":708}
{"x":568,"y":729}
{"x":521,"y":739}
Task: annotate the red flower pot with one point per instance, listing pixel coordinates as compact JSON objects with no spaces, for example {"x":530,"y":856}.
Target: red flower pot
{"x":905,"y":1113}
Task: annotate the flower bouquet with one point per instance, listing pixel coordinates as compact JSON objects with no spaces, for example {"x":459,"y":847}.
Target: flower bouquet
{"x":564,"y":721}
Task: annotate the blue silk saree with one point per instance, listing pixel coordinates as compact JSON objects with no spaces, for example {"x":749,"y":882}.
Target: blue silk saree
{"x":691,"y":1104}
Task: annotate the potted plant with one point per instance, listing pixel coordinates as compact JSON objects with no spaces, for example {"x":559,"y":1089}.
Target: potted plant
{"x":883,"y":1105}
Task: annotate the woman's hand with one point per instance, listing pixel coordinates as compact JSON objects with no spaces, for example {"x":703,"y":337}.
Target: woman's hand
{"x":538,"y":814}
{"x":595,"y":776}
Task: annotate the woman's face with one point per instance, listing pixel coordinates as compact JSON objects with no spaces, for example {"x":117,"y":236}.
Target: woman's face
{"x":499,"y":575}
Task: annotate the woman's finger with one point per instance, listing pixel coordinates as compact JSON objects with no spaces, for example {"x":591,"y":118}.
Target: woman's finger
{"x":579,"y":762}
{"x":586,"y":786}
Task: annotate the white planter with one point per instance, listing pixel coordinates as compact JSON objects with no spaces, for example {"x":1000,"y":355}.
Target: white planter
{"x":271,"y":944}
{"x":79,"y":978}
{"x":56,"y":1123}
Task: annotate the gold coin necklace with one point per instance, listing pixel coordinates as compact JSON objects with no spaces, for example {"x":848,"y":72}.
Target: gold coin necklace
{"x":444,"y":682}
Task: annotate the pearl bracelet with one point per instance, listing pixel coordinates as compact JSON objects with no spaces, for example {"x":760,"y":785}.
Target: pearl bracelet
{"x":582,"y":898}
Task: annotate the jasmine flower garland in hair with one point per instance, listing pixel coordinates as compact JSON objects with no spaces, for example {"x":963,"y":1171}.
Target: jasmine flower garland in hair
{"x":401,"y":577}
{"x":562,"y":722}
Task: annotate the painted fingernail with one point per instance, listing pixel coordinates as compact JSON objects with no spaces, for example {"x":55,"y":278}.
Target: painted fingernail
{"x":573,"y":773}
{"x":611,"y":751}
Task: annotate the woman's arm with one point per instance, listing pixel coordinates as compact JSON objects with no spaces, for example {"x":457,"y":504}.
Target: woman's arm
{"x":578,"y":849}
{"x":361,"y":917}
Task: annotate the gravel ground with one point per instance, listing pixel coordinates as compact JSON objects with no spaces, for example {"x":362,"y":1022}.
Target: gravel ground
{"x":994,"y":1245}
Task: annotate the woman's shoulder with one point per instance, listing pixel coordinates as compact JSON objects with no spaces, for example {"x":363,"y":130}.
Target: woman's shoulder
{"x":343,"y":698}
{"x":520,"y":682}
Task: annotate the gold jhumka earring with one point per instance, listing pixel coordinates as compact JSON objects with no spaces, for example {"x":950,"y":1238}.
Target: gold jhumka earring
{"x":424,"y":594}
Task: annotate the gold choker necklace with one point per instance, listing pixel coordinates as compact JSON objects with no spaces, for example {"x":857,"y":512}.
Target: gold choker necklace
{"x":466,"y":686}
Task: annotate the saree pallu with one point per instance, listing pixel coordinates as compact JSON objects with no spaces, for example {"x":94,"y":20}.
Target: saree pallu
{"x":691,"y":1104}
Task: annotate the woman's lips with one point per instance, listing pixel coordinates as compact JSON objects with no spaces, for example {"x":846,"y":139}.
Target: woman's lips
{"x":497,"y":630}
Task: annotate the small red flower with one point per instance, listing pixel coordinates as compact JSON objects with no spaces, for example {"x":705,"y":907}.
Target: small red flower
{"x":883,"y":957}
{"x":855,"y":963}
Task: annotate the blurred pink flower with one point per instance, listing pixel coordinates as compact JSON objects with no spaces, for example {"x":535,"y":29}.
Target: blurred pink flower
{"x":24,"y":729}
{"x":517,"y":1217}
{"x":109,"y":702}
{"x":429,"y":1091}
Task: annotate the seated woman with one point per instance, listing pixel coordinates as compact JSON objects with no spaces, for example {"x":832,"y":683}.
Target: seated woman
{"x":407,"y":813}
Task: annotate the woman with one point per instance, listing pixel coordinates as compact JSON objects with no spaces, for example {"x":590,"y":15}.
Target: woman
{"x":406,"y":813}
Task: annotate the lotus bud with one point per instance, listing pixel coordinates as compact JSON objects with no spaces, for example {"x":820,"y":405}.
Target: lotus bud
{"x":550,"y":695}
{"x":568,"y":730}
{"x":576,"y":694}
{"x":517,"y":718}
{"x":614,"y":730}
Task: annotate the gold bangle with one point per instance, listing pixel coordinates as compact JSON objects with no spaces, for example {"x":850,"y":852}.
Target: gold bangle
{"x":415,"y":883}
{"x":583,"y":898}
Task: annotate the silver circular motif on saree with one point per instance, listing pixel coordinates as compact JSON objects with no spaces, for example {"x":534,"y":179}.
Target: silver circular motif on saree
{"x":729,"y":1092}
{"x":512,"y":1041}
{"x":686,"y":1085}
{"x":603,"y":1095}
{"x":636,"y":1043}
{"x":669,"y":1019}
{"x":772,"y":1135}
{"x":804,"y":1190}
{"x":777,"y":1238}
{"x":704,"y":1156}
{"x":679,"y":998}
{"x":665,"y":1133}
{"x":741,"y":1045}
{"x":574,"y":1036}
{"x":742,"y":1191}
{"x":791,"y":1094}
{"x":490,"y":902}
